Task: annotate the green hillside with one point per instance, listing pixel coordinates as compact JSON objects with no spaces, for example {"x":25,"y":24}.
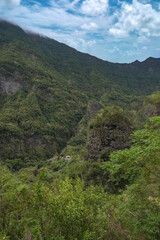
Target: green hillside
{"x":45,"y":87}
{"x":79,"y":143}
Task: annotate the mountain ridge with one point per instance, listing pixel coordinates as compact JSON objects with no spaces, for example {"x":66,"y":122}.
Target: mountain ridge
{"x":32,"y":33}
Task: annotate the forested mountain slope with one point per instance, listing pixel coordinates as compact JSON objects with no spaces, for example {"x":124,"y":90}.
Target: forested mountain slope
{"x":45,"y":87}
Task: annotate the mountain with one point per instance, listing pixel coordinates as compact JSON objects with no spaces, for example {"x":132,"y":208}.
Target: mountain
{"x":45,"y":88}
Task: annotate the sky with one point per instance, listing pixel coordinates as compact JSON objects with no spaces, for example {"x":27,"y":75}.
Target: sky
{"x":114,"y":30}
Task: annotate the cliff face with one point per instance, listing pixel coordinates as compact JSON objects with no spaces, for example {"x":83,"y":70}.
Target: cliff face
{"x":11,"y":84}
{"x":113,"y":133}
{"x":8,"y":86}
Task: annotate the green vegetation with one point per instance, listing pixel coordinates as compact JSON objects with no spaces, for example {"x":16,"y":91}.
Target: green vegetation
{"x":139,"y":167}
{"x":36,"y":205}
{"x":154,"y":99}
{"x":110,"y":115}
{"x":127,"y":164}
{"x":69,"y":169}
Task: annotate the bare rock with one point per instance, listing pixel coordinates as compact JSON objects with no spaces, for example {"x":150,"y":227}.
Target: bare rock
{"x":10,"y":84}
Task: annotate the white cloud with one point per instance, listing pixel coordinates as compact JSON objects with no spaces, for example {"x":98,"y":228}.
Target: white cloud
{"x":9,"y":3}
{"x":94,"y":7}
{"x":75,"y":39}
{"x":89,"y":26}
{"x":44,"y":17}
{"x":139,"y":18}
{"x":81,"y":44}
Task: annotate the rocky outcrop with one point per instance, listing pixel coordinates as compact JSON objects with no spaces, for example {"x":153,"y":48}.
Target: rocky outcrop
{"x":108,"y":135}
{"x":10,"y":84}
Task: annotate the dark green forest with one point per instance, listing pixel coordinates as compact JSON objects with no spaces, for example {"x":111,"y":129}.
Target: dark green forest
{"x":79,"y":143}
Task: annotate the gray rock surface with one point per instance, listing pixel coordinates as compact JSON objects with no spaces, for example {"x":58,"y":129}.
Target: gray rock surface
{"x":10,"y":84}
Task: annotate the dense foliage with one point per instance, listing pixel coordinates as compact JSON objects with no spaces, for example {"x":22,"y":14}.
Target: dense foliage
{"x":139,"y":167}
{"x":36,"y":205}
{"x":110,"y":115}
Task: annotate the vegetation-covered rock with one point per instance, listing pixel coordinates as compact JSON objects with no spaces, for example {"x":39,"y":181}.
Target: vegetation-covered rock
{"x":108,"y":131}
